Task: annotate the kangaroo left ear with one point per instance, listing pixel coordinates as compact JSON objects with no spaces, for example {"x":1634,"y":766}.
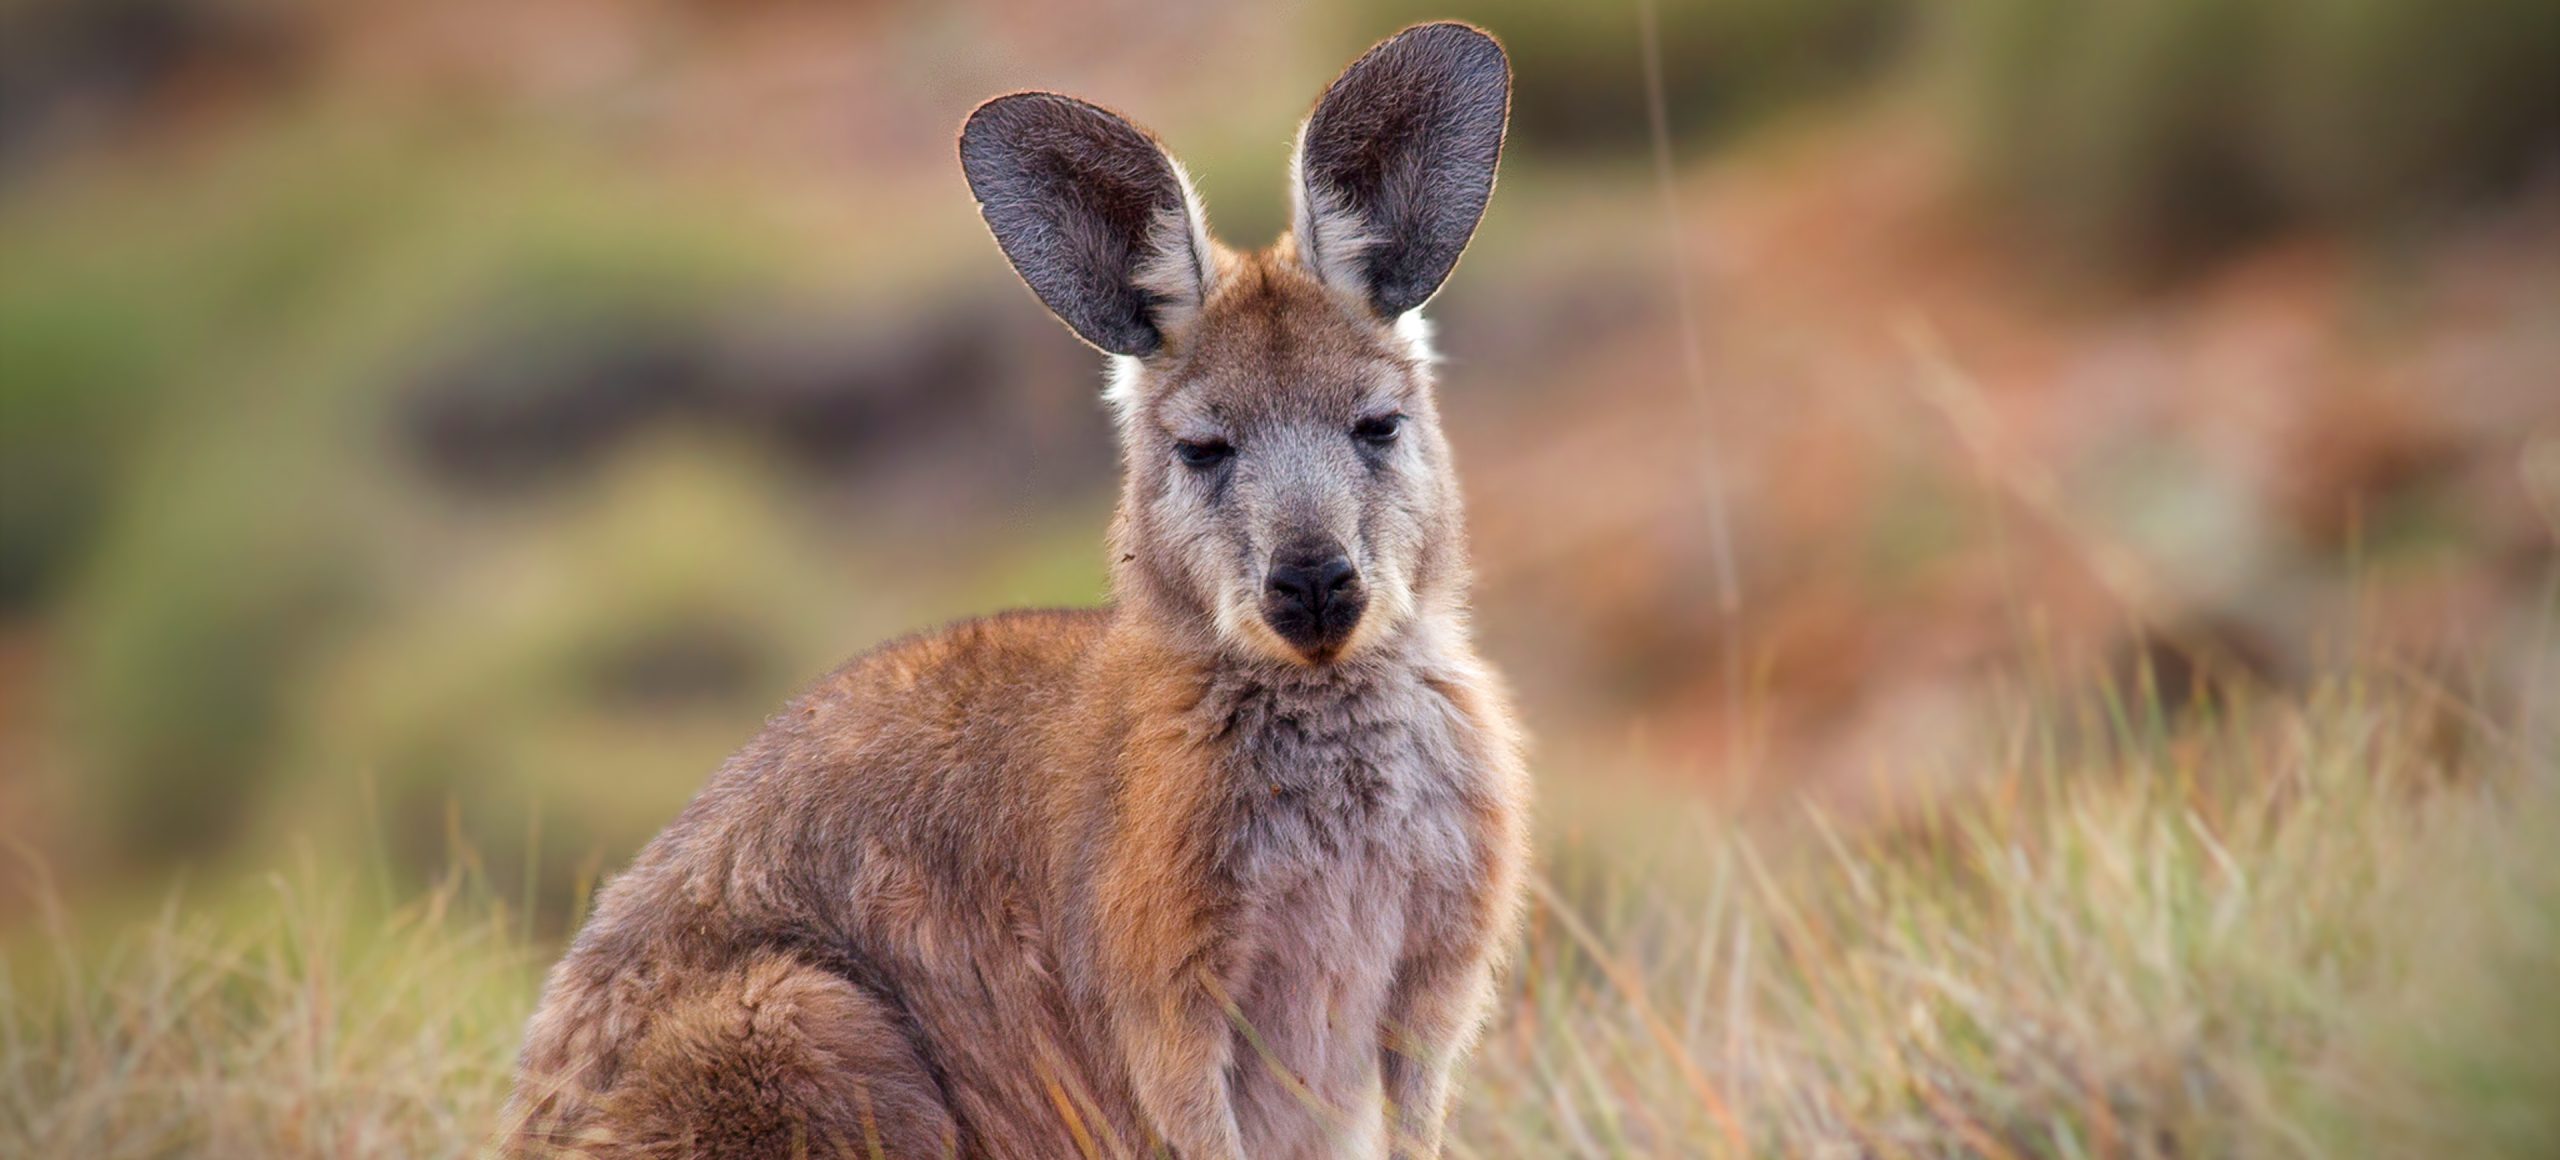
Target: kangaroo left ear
{"x":1396,"y":164}
{"x":1095,"y":216}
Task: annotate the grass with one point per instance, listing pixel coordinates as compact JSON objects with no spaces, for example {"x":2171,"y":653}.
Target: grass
{"x":2310,"y":929}
{"x":2322,"y":925}
{"x":299,"y":1024}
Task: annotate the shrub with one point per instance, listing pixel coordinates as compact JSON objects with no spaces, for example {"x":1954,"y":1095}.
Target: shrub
{"x":2144,"y":136}
{"x":203,"y":602}
{"x":198,"y":382}
{"x":609,"y":655}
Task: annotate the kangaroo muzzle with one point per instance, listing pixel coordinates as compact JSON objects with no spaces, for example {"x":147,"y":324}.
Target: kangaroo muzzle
{"x":1313,"y":598}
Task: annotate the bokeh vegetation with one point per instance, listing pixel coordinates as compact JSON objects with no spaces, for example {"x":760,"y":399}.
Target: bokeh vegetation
{"x":2151,"y":134}
{"x":1738,"y":61}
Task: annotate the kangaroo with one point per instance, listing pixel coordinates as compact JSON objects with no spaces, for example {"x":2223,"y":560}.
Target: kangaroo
{"x":1222,"y":869}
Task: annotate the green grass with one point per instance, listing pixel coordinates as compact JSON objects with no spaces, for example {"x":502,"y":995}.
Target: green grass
{"x":2324,"y":925}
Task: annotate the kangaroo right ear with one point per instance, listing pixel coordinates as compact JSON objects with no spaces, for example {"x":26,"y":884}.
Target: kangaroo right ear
{"x":1396,"y":164}
{"x":1095,"y":216}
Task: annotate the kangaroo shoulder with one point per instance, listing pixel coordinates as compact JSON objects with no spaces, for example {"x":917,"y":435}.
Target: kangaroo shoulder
{"x":1014,"y":660}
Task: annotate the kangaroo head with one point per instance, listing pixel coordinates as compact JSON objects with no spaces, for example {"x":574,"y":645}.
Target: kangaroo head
{"x":1289,"y":494}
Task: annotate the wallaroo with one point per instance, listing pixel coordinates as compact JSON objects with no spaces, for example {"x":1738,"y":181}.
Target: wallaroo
{"x":1223,"y":869}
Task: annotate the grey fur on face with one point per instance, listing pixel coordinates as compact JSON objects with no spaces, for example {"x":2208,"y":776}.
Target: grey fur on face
{"x":1290,"y":406}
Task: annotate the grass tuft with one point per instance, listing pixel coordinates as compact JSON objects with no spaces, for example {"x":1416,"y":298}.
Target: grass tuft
{"x":308,"y":1028}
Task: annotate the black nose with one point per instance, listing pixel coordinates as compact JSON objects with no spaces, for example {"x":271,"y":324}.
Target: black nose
{"x":1312,"y":597}
{"x":1311,"y":585}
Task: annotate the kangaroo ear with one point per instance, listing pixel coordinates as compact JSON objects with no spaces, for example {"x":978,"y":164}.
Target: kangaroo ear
{"x":1396,"y":164}
{"x":1093,"y":214}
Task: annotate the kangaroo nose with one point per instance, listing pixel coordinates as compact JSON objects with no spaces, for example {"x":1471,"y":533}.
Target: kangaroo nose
{"x":1312,"y":597}
{"x":1312,"y":584}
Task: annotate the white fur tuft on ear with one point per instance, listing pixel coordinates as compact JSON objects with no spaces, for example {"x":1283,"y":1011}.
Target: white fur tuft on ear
{"x":1329,"y":232}
{"x":1122,"y":379}
{"x":1181,"y":268}
{"x":1414,"y":331}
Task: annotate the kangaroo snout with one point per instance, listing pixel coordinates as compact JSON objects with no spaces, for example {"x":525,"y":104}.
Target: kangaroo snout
{"x":1313,"y":597}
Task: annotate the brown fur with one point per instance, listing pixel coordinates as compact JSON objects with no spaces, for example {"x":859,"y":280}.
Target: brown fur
{"x":1128,"y":881}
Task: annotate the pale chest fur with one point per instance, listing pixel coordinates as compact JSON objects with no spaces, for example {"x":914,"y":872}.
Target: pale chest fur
{"x":1350,"y":852}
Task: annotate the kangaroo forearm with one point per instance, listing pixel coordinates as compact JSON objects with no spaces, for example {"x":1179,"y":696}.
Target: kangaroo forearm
{"x":1179,"y":1071}
{"x":1432,"y":1022}
{"x":1417,"y":1110}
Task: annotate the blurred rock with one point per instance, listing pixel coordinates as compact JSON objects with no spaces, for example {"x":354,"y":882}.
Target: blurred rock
{"x":831,"y":391}
{"x":76,"y":71}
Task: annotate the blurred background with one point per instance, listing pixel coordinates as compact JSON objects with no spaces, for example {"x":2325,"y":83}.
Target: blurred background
{"x":443,"y":431}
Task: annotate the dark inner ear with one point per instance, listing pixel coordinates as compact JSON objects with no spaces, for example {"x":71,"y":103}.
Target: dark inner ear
{"x":1072,"y":192}
{"x":1406,"y":141}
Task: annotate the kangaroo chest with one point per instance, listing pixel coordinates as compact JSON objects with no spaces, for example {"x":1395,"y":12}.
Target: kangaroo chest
{"x":1349,"y":844}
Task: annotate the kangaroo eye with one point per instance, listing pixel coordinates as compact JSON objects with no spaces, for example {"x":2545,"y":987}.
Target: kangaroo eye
{"x":1203,"y":453}
{"x":1379,"y":431}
